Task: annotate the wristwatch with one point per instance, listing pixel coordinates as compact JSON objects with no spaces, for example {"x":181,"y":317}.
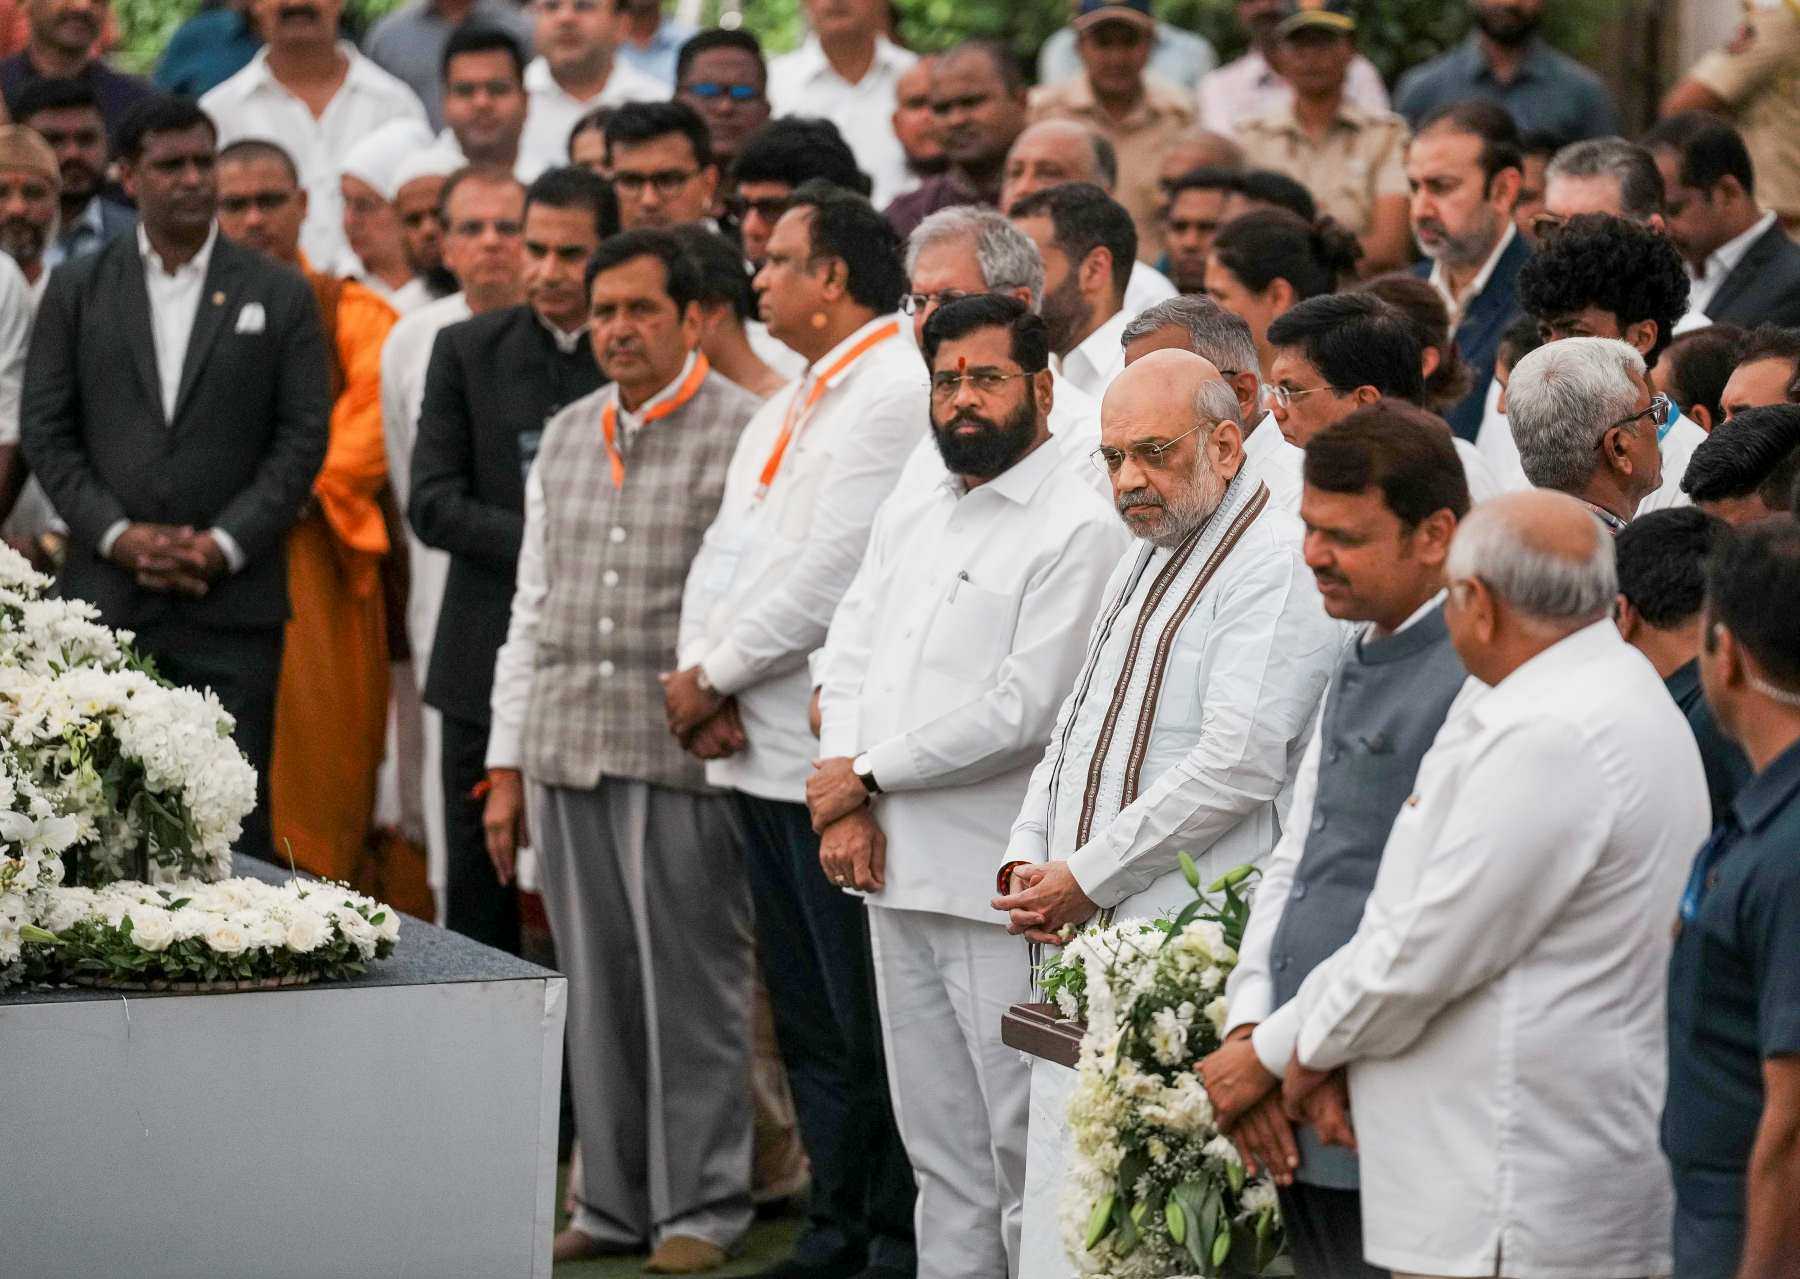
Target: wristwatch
{"x":865,"y":774}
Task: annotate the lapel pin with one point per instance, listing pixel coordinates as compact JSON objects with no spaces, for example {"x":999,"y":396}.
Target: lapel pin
{"x":219,"y":299}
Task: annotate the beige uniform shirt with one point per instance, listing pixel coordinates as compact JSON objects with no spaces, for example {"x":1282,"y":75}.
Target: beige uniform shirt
{"x":1140,"y":138}
{"x":1361,"y":158}
{"x":1760,"y":80}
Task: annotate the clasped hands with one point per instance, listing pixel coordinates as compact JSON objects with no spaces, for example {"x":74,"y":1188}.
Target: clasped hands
{"x":169,"y":558}
{"x":707,"y":724}
{"x":1046,"y":903}
{"x":1259,"y":1111}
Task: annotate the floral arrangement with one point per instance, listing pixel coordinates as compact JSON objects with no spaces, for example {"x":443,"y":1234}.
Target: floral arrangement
{"x":1153,"y":1189}
{"x":149,"y":774}
{"x":236,"y":930}
{"x":137,"y":790}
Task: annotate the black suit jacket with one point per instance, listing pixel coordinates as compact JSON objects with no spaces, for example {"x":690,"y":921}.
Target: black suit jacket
{"x":241,"y":454}
{"x":1764,"y":287}
{"x":1484,"y":322}
{"x":492,"y":383}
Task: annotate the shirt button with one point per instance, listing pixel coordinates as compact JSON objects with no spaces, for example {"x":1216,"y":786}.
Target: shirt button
{"x":606,"y":670}
{"x":618,"y":534}
{"x":610,"y":577}
{"x":1318,"y":821}
{"x":606,"y":626}
{"x":1281,"y":963}
{"x":1298,"y":893}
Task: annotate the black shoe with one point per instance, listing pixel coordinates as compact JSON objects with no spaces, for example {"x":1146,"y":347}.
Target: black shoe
{"x":843,"y":1266}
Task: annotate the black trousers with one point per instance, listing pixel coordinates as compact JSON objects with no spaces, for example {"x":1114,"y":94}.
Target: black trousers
{"x":1324,"y":1231}
{"x":243,"y":667}
{"x":476,"y":903}
{"x":814,"y":941}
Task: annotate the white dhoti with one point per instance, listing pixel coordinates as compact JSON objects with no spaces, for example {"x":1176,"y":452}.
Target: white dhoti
{"x":960,"y":1095}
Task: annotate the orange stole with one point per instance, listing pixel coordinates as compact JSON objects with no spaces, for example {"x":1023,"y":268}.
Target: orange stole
{"x":331,"y":703}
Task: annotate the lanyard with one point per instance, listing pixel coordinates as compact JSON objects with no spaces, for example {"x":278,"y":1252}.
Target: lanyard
{"x":609,"y":416}
{"x":1663,"y":428}
{"x":800,"y":410}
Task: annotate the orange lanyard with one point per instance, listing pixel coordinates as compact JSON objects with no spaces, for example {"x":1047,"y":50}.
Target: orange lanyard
{"x":799,"y":411}
{"x":609,"y":416}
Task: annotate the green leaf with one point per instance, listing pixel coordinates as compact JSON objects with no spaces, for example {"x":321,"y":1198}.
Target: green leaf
{"x":1176,"y":1220}
{"x":1221,"y":1248}
{"x":1100,"y":1221}
{"x":1189,"y":871}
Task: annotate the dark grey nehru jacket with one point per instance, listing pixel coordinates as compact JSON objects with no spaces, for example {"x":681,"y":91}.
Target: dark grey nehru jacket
{"x":1382,"y":712}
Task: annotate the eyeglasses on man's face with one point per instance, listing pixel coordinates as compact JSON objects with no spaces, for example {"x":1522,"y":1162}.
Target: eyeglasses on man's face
{"x":1658,"y":412}
{"x":713,"y":90}
{"x":665,"y":182}
{"x":983,"y":381}
{"x":1283,"y":397}
{"x":1147,"y":455}
{"x":768,"y":208}
{"x":913,"y":303}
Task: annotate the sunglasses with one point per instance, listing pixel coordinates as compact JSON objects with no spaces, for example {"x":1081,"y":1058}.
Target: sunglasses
{"x":769,"y":208}
{"x":709,"y":90}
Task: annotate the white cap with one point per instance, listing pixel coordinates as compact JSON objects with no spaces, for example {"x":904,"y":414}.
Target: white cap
{"x":378,"y":158}
{"x":438,"y":161}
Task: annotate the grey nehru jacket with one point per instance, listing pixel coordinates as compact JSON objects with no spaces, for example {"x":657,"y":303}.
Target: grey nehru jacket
{"x":616,"y":562}
{"x":1382,"y":712}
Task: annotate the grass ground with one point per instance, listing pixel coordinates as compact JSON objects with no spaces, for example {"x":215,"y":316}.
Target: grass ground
{"x":769,"y":1242}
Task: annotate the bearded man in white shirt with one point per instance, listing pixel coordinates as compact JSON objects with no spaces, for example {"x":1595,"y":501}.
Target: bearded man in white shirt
{"x":810,"y":470}
{"x":942,"y":675}
{"x":1088,"y":244}
{"x":1507,"y":1079}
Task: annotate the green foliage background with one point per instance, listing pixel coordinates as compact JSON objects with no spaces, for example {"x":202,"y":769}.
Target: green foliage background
{"x":1395,"y":34}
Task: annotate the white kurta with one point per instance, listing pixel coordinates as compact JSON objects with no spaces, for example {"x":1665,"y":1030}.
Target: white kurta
{"x":805,"y":83}
{"x":1189,"y":750}
{"x":1677,"y":444}
{"x":1501,"y":1006}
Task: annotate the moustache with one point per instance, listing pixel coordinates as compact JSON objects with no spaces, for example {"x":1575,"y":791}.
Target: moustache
{"x":296,"y":11}
{"x":966,"y":417}
{"x":1429,"y":226}
{"x":1138,"y":497}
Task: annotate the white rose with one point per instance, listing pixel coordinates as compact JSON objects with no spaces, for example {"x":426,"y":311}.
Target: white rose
{"x":389,"y":927}
{"x":306,"y":930}
{"x":226,"y":938}
{"x":1215,"y":1013}
{"x":151,"y":928}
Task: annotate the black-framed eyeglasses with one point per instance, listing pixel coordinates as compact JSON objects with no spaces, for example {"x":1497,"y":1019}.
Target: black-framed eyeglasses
{"x":668,"y":182}
{"x":946,"y":384}
{"x":1149,"y":456}
{"x":709,"y":90}
{"x":769,"y":208}
{"x":913,"y":303}
{"x":1658,"y":413}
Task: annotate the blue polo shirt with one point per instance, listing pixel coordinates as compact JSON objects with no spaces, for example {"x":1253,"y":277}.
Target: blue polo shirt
{"x":1734,"y":1002}
{"x":1552,"y":93}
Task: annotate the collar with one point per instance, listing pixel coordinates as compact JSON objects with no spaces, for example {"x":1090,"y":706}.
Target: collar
{"x":1420,"y":631}
{"x":1726,"y":257}
{"x":831,"y":357}
{"x":1440,"y":279}
{"x":811,"y":60}
{"x":538,"y":78}
{"x":1613,"y":523}
{"x":1104,"y":342}
{"x":196,"y":265}
{"x":1020,"y":482}
{"x":1768,"y":793}
{"x":630,"y":418}
{"x":1534,"y":685}
{"x":566,"y":343}
{"x":1348,"y":114}
{"x":1683,"y":680}
{"x":1477,"y":67}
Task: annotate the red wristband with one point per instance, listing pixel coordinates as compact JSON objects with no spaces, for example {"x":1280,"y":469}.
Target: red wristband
{"x":1003,"y":880}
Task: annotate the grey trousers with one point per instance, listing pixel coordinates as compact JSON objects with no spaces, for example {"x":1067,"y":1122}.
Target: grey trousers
{"x":645,"y":890}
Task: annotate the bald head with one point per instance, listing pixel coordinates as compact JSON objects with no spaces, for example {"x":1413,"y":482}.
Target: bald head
{"x":1158,"y":384}
{"x":1542,"y":555}
{"x":1170,"y":437}
{"x":1052,"y":152}
{"x":1199,"y":149}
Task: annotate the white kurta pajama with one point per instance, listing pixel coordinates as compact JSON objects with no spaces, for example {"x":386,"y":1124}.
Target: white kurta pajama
{"x":945,"y":664}
{"x":1178,"y":746}
{"x":1501,"y":1006}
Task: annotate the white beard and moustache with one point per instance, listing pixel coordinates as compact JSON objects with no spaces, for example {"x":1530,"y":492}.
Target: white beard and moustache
{"x":1181,"y":516}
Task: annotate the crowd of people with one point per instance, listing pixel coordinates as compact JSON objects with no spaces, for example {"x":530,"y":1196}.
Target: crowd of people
{"x":830,"y":524}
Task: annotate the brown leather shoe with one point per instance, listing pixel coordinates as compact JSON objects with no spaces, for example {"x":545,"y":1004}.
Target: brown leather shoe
{"x":684,"y":1255}
{"x":571,"y":1244}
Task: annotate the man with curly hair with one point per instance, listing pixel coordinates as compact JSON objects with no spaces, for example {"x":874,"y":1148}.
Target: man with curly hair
{"x":1610,"y":277}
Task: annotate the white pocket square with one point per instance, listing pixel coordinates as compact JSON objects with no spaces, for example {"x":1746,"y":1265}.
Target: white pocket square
{"x":250,"y":318}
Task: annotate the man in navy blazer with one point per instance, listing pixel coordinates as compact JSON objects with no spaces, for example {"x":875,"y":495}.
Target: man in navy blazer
{"x":1465,"y":168}
{"x":1745,"y":270}
{"x":175,"y":408}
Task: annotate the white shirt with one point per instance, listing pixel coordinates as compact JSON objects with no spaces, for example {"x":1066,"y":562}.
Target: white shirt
{"x":1251,"y":986}
{"x":517,"y":659}
{"x":554,"y":111}
{"x":1494,"y":441}
{"x":1242,"y":683}
{"x":254,"y":104}
{"x":1721,"y":262}
{"x":1677,"y":448}
{"x":804,"y":83}
{"x":1482,"y":481}
{"x":1249,"y":87}
{"x":404,"y":358}
{"x":1146,"y":287}
{"x":1501,"y":1006}
{"x":1098,"y":358}
{"x":16,"y":312}
{"x":948,"y":659}
{"x":406,"y":299}
{"x":1440,"y":278}
{"x":770,"y":572}
{"x":1278,"y":463}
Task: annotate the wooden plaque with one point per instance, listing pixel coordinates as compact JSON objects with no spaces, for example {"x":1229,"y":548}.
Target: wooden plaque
{"x":1040,"y":1030}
